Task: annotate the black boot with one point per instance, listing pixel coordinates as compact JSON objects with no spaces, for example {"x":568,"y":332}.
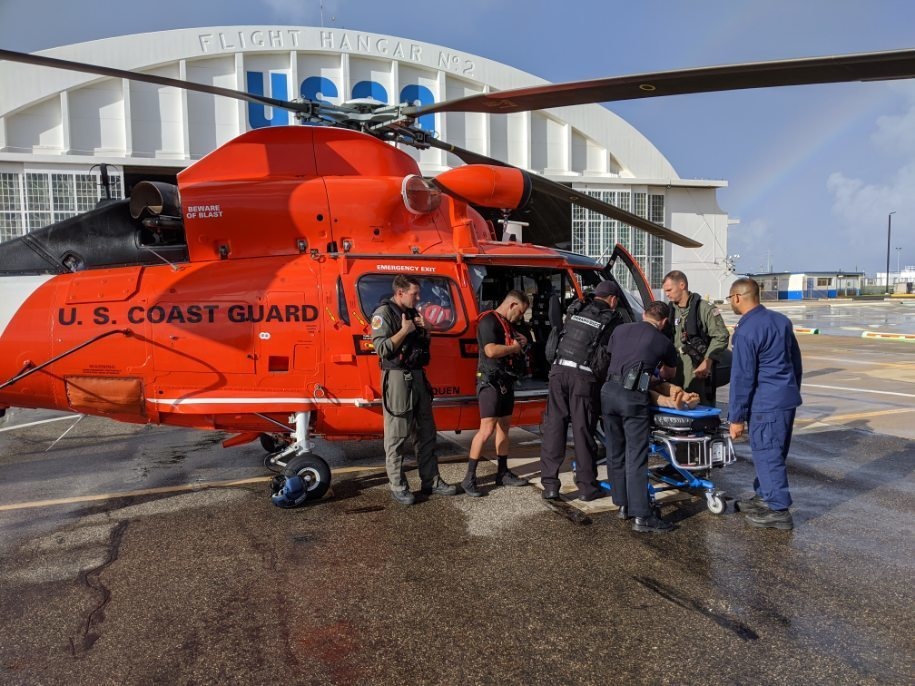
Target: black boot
{"x":504,"y":476}
{"x":469,"y":484}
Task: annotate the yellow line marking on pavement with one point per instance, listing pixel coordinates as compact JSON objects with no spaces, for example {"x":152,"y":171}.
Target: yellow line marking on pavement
{"x":874,"y":363}
{"x":197,"y":486}
{"x":851,"y":417}
{"x":857,"y":390}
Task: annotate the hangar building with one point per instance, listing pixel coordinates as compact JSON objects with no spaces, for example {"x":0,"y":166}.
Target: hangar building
{"x":56,"y":126}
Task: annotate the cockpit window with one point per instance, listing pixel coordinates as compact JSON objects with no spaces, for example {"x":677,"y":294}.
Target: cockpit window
{"x":436,"y":299}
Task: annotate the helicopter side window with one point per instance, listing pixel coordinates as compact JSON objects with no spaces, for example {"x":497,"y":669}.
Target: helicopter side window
{"x":341,"y":302}
{"x":436,"y":299}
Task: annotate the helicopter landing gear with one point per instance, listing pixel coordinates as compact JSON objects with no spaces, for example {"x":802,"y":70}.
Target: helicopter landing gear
{"x":295,"y":459}
{"x":273,"y":443}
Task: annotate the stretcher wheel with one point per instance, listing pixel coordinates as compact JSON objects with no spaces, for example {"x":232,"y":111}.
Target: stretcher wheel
{"x":715,"y":502}
{"x":315,"y":472}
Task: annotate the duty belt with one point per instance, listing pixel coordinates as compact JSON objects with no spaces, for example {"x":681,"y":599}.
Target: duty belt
{"x":573,"y":365}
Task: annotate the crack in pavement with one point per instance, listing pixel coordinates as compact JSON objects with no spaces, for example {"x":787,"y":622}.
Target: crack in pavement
{"x":742,"y":630}
{"x":81,"y":644}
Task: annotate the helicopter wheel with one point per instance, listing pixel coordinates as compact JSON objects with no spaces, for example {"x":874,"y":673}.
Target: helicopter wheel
{"x":314,"y":471}
{"x":273,"y":442}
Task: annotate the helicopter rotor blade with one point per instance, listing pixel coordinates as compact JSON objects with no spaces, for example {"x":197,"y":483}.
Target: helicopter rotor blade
{"x":42,"y":61}
{"x":873,"y":66}
{"x":562,"y":192}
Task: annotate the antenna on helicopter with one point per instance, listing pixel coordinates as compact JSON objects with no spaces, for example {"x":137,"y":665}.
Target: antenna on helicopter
{"x":104,"y":181}
{"x":511,"y":230}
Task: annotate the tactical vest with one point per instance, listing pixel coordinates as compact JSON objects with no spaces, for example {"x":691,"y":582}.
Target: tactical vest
{"x":414,"y":351}
{"x":583,"y":336}
{"x":508,"y":368}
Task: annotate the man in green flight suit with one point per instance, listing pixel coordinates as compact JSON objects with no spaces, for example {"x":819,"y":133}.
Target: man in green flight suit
{"x":699,"y":335}
{"x":401,"y":340}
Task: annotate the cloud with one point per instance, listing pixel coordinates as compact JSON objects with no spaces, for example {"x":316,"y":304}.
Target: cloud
{"x":896,"y":133}
{"x":861,"y":205}
{"x":752,"y":241}
{"x":862,"y":209}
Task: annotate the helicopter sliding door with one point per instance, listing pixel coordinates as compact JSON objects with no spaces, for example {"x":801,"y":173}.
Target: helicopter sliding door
{"x":550,"y":291}
{"x":623,"y":269}
{"x":354,"y":373}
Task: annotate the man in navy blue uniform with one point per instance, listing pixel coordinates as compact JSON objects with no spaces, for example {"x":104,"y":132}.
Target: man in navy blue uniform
{"x":636,"y":350}
{"x":765,"y":393}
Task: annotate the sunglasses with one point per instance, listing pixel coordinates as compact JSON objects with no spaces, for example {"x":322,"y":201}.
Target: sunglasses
{"x":735,"y":295}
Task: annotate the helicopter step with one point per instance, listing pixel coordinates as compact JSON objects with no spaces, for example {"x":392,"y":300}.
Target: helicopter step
{"x":303,"y":475}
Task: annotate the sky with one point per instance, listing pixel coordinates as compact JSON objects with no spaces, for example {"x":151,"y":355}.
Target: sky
{"x":813,"y":171}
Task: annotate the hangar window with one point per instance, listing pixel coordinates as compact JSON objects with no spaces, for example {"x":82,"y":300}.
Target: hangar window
{"x":10,"y":206}
{"x":822,"y":281}
{"x":35,"y":199}
{"x":595,"y":235}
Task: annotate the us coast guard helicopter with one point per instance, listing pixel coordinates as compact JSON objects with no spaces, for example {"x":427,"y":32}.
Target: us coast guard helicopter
{"x":240,"y":299}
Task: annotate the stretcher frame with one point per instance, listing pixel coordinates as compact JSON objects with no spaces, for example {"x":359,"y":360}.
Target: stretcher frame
{"x":690,"y":454}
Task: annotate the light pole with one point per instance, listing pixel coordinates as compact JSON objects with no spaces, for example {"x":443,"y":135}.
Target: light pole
{"x":889,"y":231}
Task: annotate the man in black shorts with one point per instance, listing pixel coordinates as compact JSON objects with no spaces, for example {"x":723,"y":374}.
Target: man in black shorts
{"x":501,"y":353}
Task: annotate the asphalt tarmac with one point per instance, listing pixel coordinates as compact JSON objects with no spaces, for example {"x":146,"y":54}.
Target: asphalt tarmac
{"x":126,"y":558}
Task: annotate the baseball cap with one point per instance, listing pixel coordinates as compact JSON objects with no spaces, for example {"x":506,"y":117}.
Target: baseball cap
{"x":607,"y":288}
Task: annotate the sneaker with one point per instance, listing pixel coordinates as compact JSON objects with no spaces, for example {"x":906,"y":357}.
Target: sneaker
{"x":771,"y":519}
{"x":651,"y":525}
{"x":440,"y":488}
{"x":509,"y":478}
{"x":403,"y":496}
{"x":754,"y":505}
{"x":470,"y":488}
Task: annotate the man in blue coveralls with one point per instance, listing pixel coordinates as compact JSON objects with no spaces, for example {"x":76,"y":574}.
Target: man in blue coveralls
{"x":765,"y":392}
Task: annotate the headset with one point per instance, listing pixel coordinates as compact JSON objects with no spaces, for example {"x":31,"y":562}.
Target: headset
{"x":288,"y":491}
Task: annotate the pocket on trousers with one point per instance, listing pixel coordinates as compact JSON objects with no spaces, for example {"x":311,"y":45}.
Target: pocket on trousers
{"x":398,"y":397}
{"x":584,"y":390}
{"x":763,"y":431}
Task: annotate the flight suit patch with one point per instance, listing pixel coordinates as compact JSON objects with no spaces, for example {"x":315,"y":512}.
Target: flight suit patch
{"x":377,"y":321}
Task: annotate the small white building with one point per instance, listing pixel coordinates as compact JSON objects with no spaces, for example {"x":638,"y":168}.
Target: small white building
{"x":904,"y":275}
{"x":808,"y":285}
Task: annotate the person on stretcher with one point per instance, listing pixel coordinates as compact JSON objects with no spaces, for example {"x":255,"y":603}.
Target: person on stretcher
{"x":666,"y":394}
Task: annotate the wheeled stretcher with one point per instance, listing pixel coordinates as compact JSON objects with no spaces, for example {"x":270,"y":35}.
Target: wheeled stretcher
{"x":691,"y":443}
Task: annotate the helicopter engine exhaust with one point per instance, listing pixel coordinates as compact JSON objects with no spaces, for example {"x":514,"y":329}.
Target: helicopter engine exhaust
{"x":484,"y":185}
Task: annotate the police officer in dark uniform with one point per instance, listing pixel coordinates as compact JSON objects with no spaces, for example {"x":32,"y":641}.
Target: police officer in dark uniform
{"x":765,"y":390}
{"x":636,"y":350}
{"x":402,"y":342}
{"x":579,"y":368}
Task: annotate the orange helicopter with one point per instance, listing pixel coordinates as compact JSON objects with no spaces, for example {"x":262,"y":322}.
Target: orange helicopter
{"x":240,"y":300}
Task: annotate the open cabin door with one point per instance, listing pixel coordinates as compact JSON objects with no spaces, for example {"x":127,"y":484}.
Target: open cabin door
{"x":622,"y":268}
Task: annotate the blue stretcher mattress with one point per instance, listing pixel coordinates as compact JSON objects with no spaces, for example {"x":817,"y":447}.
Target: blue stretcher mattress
{"x":699,"y":412}
{"x":702,"y":418}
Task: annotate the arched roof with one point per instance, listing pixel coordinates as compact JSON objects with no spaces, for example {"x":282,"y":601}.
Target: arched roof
{"x":54,"y":112}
